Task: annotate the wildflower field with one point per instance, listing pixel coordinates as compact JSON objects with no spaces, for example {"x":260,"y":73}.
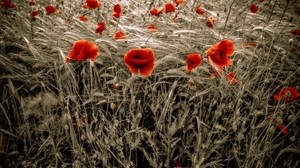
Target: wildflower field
{"x":150,"y":83}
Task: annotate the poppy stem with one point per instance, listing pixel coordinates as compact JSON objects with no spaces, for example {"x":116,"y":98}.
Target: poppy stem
{"x":228,"y":15}
{"x":117,"y":25}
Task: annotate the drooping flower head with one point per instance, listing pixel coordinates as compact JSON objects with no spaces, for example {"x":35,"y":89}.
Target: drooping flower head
{"x":287,"y":94}
{"x":50,"y":9}
{"x":83,"y":50}
{"x":193,"y":60}
{"x":253,"y":8}
{"x":91,"y":4}
{"x":140,"y":60}
{"x":218,"y":53}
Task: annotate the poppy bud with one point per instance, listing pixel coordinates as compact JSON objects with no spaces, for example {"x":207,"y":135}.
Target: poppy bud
{"x":292,"y":138}
{"x":291,"y":41}
{"x":113,"y":106}
{"x":116,"y":86}
{"x":66,"y":127}
{"x":191,"y":82}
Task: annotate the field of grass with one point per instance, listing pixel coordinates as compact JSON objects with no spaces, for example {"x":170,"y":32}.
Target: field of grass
{"x":55,"y":113}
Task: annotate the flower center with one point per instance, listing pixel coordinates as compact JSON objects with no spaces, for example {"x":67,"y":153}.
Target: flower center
{"x":136,"y":57}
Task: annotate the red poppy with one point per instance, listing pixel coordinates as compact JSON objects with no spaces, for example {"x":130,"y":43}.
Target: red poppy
{"x":169,"y":7}
{"x":156,"y":11}
{"x":218,"y":53}
{"x":152,"y":28}
{"x":279,"y":126}
{"x":117,"y":8}
{"x":7,"y":4}
{"x":282,"y":129}
{"x":287,"y":94}
{"x":100,"y":27}
{"x":210,"y":22}
{"x":31,"y":2}
{"x":193,"y":60}
{"x":50,"y":9}
{"x":230,"y":77}
{"x":295,"y":32}
{"x":91,"y":4}
{"x":261,"y":0}
{"x":140,"y":60}
{"x":34,"y":13}
{"x":177,"y":164}
{"x":200,"y":11}
{"x":297,"y":11}
{"x":178,"y":2}
{"x":250,"y":44}
{"x":119,"y":35}
{"x":83,"y":18}
{"x":254,"y":8}
{"x":83,"y":50}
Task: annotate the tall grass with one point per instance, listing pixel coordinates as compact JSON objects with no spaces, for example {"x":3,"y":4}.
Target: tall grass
{"x":96,"y":114}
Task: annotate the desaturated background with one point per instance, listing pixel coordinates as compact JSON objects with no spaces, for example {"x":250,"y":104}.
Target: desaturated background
{"x":97,"y":114}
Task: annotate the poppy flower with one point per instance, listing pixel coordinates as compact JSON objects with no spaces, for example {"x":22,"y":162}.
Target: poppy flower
{"x":152,"y":28}
{"x":230,"y":77}
{"x":31,"y":2}
{"x":119,"y":35}
{"x":261,"y":0}
{"x":295,"y":32}
{"x":7,"y":4}
{"x":91,"y":4}
{"x":50,"y":9}
{"x":178,"y":2}
{"x":279,"y":126}
{"x":140,"y":60}
{"x":193,"y":60}
{"x":169,"y":7}
{"x":254,"y":8}
{"x":210,"y":22}
{"x":177,"y":164}
{"x":287,"y":94}
{"x":297,"y":11}
{"x":156,"y":11}
{"x":117,"y":8}
{"x":83,"y":18}
{"x":34,"y":13}
{"x":250,"y":44}
{"x":218,"y":53}
{"x":282,"y":129}
{"x":200,"y":11}
{"x":83,"y":50}
{"x":100,"y":27}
